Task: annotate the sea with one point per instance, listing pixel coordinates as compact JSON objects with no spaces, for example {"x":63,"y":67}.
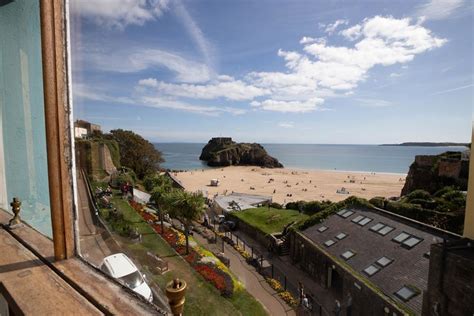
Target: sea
{"x":363,"y":158}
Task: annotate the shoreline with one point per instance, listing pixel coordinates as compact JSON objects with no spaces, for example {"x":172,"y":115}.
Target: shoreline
{"x":290,"y":168}
{"x":292,"y":184}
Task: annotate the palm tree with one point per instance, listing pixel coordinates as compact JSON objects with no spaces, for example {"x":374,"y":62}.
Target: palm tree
{"x":186,"y":207}
{"x":160,"y":196}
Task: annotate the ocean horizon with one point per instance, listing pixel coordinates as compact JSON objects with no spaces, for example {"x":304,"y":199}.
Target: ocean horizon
{"x":335,"y":157}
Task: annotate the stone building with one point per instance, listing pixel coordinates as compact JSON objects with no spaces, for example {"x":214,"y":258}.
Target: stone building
{"x":451,"y":279}
{"x":81,"y":125}
{"x":379,"y":258}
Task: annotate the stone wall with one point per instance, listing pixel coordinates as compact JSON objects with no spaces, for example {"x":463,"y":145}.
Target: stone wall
{"x":425,"y":160}
{"x":449,"y":168}
{"x":256,"y":234}
{"x":451,"y":280}
{"x":106,"y":159}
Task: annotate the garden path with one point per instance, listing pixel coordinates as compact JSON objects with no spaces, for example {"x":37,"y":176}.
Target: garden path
{"x":254,"y":283}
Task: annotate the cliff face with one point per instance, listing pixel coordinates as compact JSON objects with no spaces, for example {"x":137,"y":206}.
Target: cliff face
{"x":432,"y":173}
{"x":223,"y":151}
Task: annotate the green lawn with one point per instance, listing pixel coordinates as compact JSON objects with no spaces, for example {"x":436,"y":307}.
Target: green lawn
{"x":269,"y":220}
{"x":201,"y":298}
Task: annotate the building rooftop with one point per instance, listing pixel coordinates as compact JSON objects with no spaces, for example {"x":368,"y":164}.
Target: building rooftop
{"x":390,"y":251}
{"x":240,"y":201}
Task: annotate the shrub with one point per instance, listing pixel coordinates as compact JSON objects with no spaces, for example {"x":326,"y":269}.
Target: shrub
{"x":378,"y":201}
{"x":314,"y":207}
{"x":276,"y":205}
{"x":418,"y":194}
{"x":297,"y":206}
{"x":442,"y":191}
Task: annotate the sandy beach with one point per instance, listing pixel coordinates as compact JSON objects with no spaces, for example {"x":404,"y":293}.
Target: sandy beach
{"x":286,"y":185}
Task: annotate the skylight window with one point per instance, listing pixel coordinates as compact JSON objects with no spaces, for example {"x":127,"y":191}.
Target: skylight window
{"x":411,"y":242}
{"x":406,"y":293}
{"x":358,"y":219}
{"x":384,"y":231}
{"x":322,"y":229}
{"x":341,"y":236}
{"x":348,"y":254}
{"x":347,"y":214}
{"x":377,"y":227}
{"x":371,"y":270}
{"x":329,"y":243}
{"x":341,"y":212}
{"x":384,"y":261}
{"x":365,"y":221}
{"x":401,"y":237}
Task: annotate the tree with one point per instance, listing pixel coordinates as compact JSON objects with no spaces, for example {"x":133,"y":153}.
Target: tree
{"x":187,"y":207}
{"x":151,"y":182}
{"x":137,"y":153}
{"x":163,"y":196}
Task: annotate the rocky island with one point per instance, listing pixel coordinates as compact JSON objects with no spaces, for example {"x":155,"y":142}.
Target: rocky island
{"x":223,"y":151}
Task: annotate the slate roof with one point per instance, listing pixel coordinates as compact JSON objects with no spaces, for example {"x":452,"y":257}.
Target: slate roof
{"x":409,"y":266}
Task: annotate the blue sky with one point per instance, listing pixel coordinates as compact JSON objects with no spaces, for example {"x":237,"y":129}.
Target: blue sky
{"x":343,"y":72}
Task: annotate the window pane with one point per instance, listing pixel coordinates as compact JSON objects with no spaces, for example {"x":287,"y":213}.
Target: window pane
{"x":23,"y":163}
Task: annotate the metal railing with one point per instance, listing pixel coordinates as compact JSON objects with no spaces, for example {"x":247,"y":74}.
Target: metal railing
{"x":263,"y":264}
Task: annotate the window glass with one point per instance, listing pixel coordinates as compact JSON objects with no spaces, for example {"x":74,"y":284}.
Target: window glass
{"x":23,"y":160}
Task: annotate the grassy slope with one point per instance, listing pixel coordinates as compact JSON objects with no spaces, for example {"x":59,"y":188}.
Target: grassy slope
{"x":269,"y":220}
{"x":202,"y":298}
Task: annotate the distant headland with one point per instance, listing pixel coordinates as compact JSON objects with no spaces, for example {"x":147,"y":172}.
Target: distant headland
{"x":428,"y":144}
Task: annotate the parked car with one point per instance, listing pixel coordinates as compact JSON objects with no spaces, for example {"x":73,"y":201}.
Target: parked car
{"x":121,"y":268}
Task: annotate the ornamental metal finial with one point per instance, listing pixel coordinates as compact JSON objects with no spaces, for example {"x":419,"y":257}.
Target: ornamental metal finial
{"x":175,"y":291}
{"x":16,"y":220}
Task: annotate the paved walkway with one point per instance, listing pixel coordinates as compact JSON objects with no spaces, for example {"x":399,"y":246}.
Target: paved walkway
{"x":323,"y":296}
{"x":254,"y":283}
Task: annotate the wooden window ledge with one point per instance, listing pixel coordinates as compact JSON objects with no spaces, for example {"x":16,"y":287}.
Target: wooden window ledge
{"x":39,"y":285}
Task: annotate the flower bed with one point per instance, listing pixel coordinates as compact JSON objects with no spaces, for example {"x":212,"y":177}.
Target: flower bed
{"x":203,"y":261}
{"x":285,"y":295}
{"x":288,"y":298}
{"x":242,"y":252}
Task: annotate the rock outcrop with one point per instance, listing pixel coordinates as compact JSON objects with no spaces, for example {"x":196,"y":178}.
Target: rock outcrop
{"x":432,"y":173}
{"x":223,"y":151}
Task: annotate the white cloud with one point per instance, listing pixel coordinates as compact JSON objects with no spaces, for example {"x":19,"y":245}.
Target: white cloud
{"x":290,"y":106}
{"x":236,"y":90}
{"x":454,"y":89}
{"x":395,"y":75}
{"x":439,"y":9}
{"x":373,"y":103}
{"x":331,"y":28}
{"x":195,"y":32}
{"x":352,"y":33}
{"x":163,"y":103}
{"x":84,"y":92}
{"x":119,"y":13}
{"x":322,"y":70}
{"x":316,"y":72}
{"x":286,"y":124}
{"x":136,"y":60}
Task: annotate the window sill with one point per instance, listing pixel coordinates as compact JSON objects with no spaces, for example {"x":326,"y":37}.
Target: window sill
{"x":41,"y":286}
